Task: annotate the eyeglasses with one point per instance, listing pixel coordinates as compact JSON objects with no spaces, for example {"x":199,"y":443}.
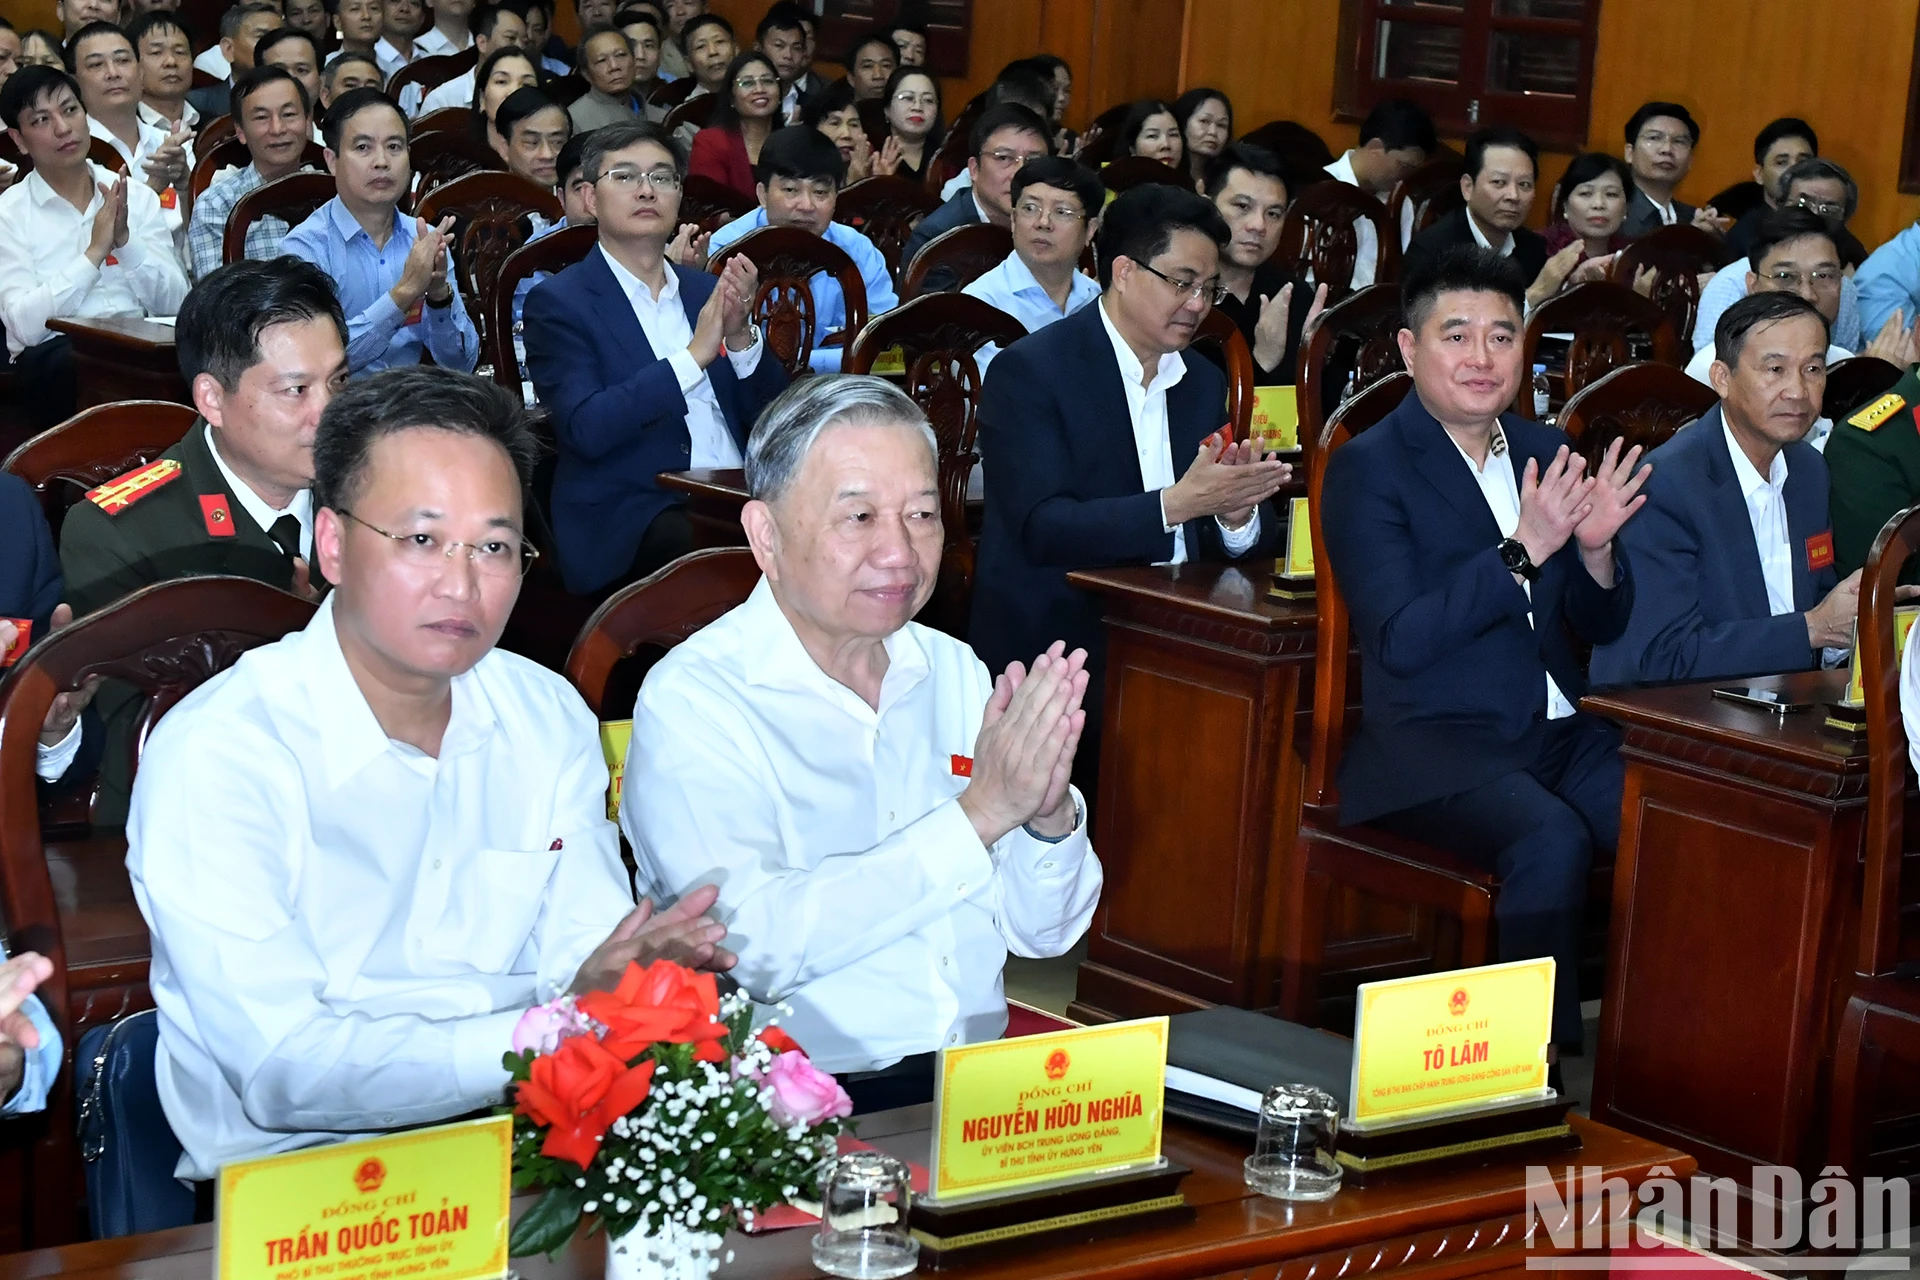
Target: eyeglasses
{"x":1824,"y":278}
{"x":1031,"y":211}
{"x":911,"y":99}
{"x":509,"y":556}
{"x":1821,"y":207}
{"x":750,"y":83}
{"x":661,"y":180}
{"x":1212,"y":290}
{"x":1656,"y":138}
{"x":1004,"y":157}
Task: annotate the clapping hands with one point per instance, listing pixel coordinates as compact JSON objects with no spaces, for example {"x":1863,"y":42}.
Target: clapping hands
{"x":1023,"y":758}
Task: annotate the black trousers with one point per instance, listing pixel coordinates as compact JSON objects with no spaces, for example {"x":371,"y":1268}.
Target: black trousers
{"x":48,"y":387}
{"x":1537,"y":830}
{"x":669,"y":537}
{"x":906,"y":1083}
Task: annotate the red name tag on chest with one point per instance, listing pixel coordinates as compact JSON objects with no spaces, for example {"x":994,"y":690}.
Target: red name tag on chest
{"x":1820,"y":550}
{"x":963,"y":766}
{"x":111,"y":261}
{"x":169,"y":198}
{"x":22,"y":638}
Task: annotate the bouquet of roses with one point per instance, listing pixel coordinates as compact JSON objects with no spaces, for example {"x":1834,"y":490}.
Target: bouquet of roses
{"x":656,"y":1110}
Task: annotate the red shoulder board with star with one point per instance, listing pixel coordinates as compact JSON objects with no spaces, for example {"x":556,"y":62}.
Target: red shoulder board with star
{"x":118,"y":494}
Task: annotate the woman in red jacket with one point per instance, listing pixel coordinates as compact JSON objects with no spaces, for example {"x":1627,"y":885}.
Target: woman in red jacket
{"x":728,"y":148}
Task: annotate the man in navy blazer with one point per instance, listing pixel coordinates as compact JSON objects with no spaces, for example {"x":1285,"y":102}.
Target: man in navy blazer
{"x":1085,"y":425}
{"x":625,"y":350}
{"x":1733,"y":557}
{"x":1465,"y":544}
{"x":1005,"y":137}
{"x":30,"y":589}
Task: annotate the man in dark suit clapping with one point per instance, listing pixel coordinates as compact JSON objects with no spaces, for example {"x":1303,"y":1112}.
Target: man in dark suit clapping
{"x":1465,"y":542}
{"x":1102,"y":441}
{"x":646,"y":365}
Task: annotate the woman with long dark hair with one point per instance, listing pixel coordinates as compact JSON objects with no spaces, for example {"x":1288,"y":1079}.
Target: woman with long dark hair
{"x":728,"y":148}
{"x":1205,"y":117}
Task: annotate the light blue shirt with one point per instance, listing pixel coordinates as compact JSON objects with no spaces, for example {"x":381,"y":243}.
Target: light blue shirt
{"x":829,"y":303}
{"x":1729,"y":285}
{"x":378,"y":334}
{"x":1012,"y":287}
{"x":520,"y":291}
{"x":42,"y":1064}
{"x":1888,"y":281}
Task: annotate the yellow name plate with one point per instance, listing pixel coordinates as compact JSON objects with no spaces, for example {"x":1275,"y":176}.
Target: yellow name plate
{"x":1450,"y":1041}
{"x":614,"y":737}
{"x":1299,"y":561}
{"x":1276,"y":419}
{"x":431,"y":1203}
{"x":1044,"y":1109}
{"x":1903,"y":616}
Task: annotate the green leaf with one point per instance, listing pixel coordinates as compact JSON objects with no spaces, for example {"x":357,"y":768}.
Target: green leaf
{"x":548,"y":1226}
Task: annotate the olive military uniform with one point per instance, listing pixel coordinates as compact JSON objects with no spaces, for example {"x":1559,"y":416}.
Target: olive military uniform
{"x":177,"y":517}
{"x":1874,"y":458}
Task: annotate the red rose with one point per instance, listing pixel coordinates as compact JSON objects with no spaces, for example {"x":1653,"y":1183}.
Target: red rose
{"x":778,"y":1041}
{"x":577,"y":1092}
{"x":663,"y":1002}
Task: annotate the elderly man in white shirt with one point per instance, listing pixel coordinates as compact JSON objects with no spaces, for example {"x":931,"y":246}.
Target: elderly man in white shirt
{"x":1056,"y":210}
{"x":885,"y":820}
{"x":366,"y":849}
{"x":75,"y":240}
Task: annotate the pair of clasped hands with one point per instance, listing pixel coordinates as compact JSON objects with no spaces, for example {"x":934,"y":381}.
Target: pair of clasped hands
{"x":1022,"y":760}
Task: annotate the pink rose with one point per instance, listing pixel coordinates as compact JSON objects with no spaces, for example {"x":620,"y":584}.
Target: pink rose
{"x":803,"y":1093}
{"x":543,"y":1027}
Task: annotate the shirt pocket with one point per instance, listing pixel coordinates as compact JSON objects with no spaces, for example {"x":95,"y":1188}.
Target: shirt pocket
{"x":492,"y":906}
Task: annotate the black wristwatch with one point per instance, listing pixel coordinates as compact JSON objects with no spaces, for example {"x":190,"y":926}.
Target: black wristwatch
{"x":1513,"y":554}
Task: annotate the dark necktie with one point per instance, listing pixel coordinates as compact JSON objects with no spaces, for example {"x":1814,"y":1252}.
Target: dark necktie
{"x":286,"y":532}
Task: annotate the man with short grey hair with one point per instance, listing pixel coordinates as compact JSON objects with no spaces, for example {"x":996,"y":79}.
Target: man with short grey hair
{"x":884,"y":819}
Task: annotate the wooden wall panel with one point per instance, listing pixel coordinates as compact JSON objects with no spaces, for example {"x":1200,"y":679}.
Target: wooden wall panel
{"x":1735,"y":64}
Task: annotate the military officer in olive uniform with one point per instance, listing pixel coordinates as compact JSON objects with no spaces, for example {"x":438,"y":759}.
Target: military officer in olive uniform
{"x":1873,"y":457}
{"x":262,"y":346}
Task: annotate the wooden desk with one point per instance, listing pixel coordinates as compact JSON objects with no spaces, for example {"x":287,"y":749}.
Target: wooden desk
{"x":124,"y":359}
{"x":1468,"y":1223}
{"x":1199,"y":797}
{"x":1736,"y":909}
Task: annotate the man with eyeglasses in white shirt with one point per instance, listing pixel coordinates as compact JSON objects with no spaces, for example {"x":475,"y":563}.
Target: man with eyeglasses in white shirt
{"x":75,"y":240}
{"x":1056,"y":210}
{"x":886,"y":821}
{"x":365,"y":850}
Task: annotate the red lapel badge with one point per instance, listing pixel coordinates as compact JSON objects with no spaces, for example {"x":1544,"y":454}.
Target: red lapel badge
{"x":1820,"y":550}
{"x":22,"y":638}
{"x":554,"y":846}
{"x":963,"y":766}
{"x":213,"y":509}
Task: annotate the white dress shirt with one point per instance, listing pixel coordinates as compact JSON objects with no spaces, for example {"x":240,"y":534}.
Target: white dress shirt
{"x":1012,"y":287}
{"x":264,"y":515}
{"x":389,"y":57}
{"x":1822,"y":427}
{"x":853,"y":886}
{"x":1766,"y":498}
{"x":1147,"y":407}
{"x":1910,"y":694}
{"x":345,"y":929}
{"x":433,"y":42}
{"x":1502,"y":492}
{"x":44,"y":270}
{"x":152,"y":138}
{"x":1366,"y":243}
{"x":214,"y":63}
{"x":1480,"y":238}
{"x":664,"y":320}
{"x":457,"y":92}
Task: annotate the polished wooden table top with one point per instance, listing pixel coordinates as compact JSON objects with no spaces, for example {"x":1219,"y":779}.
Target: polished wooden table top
{"x":1232,"y":1227}
{"x":1235,"y":591}
{"x":1691,"y":711}
{"x":129,"y":332}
